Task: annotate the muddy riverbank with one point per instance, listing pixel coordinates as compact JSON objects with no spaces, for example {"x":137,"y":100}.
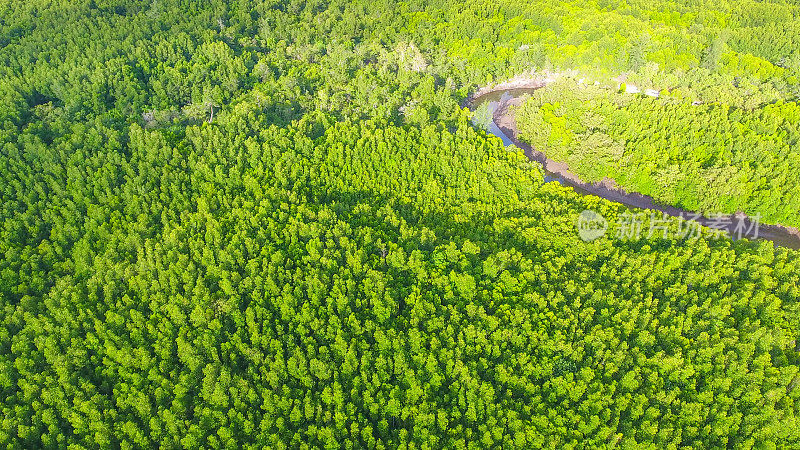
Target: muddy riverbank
{"x":501,"y":99}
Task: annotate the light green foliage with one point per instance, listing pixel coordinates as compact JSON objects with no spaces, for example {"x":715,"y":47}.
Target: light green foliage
{"x":338,"y":258}
{"x":710,"y":158}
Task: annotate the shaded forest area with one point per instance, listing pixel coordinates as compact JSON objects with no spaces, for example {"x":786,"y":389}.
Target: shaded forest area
{"x":270,"y":224}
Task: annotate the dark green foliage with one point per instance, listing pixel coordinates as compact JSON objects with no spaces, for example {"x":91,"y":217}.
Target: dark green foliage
{"x":255,"y":286}
{"x":262,"y":224}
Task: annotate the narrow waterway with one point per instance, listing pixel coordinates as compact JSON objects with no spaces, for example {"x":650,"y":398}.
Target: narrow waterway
{"x":503,"y":125}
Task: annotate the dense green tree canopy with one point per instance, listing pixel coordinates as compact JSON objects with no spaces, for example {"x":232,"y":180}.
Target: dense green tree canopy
{"x":263,"y":224}
{"x":714,"y":157}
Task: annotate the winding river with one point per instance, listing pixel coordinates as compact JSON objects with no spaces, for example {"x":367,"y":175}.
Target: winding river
{"x":503,"y":125}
